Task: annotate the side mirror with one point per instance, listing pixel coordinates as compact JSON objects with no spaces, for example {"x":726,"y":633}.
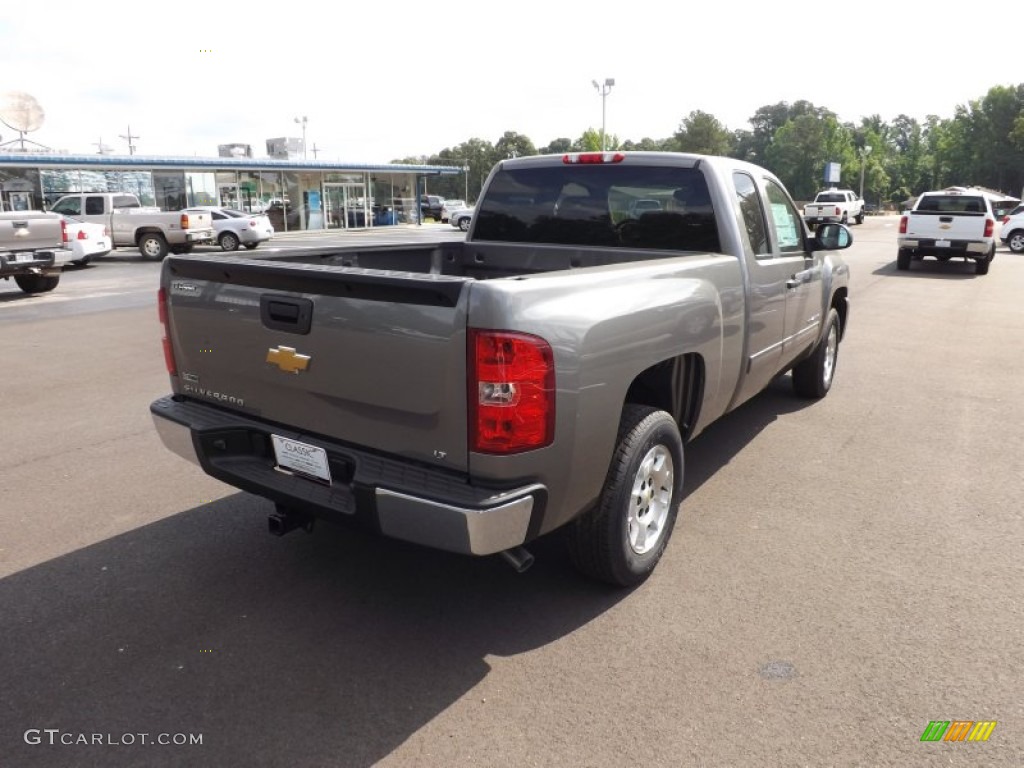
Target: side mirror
{"x":832,"y":237}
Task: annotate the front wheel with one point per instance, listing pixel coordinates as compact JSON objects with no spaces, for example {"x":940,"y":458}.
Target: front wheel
{"x":37,"y":283}
{"x":229,"y":241}
{"x":153,"y":246}
{"x":622,"y":539}
{"x":813,"y":376}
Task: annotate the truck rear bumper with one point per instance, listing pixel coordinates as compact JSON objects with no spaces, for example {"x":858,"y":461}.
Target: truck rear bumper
{"x":29,"y":262}
{"x":932,"y":247}
{"x":398,"y":499}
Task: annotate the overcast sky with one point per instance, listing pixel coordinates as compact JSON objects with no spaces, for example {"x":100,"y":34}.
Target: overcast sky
{"x":385,"y":80}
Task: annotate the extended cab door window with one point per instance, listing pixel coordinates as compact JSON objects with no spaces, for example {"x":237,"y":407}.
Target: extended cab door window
{"x":94,"y":206}
{"x":749,"y":204}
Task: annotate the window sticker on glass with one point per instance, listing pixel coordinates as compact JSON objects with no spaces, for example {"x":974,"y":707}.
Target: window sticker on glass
{"x":784,"y":225}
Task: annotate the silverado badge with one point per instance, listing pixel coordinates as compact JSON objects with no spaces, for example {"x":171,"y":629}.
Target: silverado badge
{"x":287,"y":359}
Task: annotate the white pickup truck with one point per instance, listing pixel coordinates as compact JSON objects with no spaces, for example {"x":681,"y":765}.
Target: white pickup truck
{"x":834,"y":205}
{"x":946,"y":224}
{"x":33,"y":249}
{"x":152,"y":231}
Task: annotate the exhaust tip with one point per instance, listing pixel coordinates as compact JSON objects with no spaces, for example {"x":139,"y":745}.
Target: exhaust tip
{"x":519,"y":558}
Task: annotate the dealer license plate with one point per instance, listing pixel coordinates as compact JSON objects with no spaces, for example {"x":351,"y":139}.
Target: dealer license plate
{"x":942,"y":243}
{"x":24,"y":257}
{"x":301,"y":458}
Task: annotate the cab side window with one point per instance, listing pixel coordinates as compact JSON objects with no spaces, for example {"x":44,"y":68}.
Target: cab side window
{"x":72,"y":206}
{"x":789,"y":228}
{"x":93,"y":206}
{"x":749,"y":204}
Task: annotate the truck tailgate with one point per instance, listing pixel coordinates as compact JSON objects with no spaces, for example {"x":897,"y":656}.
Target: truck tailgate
{"x":946,"y":225}
{"x":372,"y":358}
{"x":31,"y":230}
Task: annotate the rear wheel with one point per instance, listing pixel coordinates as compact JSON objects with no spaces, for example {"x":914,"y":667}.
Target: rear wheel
{"x":813,"y":377}
{"x":153,"y":246}
{"x":622,"y":539}
{"x":464,"y":224}
{"x":37,"y":283}
{"x":859,"y":218}
{"x":981,"y":265}
{"x":1016,"y":241}
{"x":903,"y":259}
{"x":228,"y":241}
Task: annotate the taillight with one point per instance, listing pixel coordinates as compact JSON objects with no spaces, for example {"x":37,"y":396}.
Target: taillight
{"x":83,"y":235}
{"x":511,"y":392}
{"x":903,"y":225}
{"x":161,"y":304}
{"x":184,"y":221}
{"x":64,"y":230}
{"x":990,"y":227}
{"x":593,"y":158}
{"x":838,"y":211}
{"x":1005,"y":219}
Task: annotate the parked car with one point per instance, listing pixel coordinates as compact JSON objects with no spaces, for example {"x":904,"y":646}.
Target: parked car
{"x":233,"y":228}
{"x":1012,"y":233}
{"x":430,"y":206}
{"x":449,"y":207}
{"x":461,"y":219}
{"x":86,"y":239}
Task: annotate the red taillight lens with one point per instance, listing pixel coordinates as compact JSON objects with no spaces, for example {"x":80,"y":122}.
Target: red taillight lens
{"x":64,"y":230}
{"x":1005,"y":219}
{"x":990,"y":227}
{"x":83,"y":235}
{"x":161,"y":304}
{"x":903,"y":225}
{"x":184,"y":221}
{"x":593,"y":158}
{"x":838,"y":211}
{"x":511,"y":392}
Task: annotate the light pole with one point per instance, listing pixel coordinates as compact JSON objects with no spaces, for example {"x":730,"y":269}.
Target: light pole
{"x":604,"y":89}
{"x":302,"y":121}
{"x":863,"y":162}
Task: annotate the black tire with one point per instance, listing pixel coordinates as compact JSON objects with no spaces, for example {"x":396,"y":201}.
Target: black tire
{"x":981,"y":265}
{"x":82,"y":261}
{"x":622,"y":539}
{"x":1015,"y":241}
{"x":813,"y":376}
{"x":228,"y":241}
{"x":846,"y":219}
{"x":859,"y":218}
{"x":250,"y":246}
{"x":37,"y":283}
{"x":903,"y":259}
{"x":464,"y":224}
{"x":152,"y":246}
{"x":178,"y":249}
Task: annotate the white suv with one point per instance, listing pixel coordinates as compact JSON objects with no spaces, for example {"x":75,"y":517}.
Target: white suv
{"x":1012,"y":233}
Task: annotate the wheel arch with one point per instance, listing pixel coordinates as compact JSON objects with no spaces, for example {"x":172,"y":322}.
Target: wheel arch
{"x":676,"y":386}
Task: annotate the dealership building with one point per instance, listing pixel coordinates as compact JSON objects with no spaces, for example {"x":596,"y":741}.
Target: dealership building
{"x":297,"y":194}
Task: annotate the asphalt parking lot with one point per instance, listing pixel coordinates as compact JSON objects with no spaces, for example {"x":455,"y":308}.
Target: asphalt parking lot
{"x":843,"y":573}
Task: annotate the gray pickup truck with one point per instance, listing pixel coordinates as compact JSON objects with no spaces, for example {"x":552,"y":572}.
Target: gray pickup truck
{"x":152,"y":231}
{"x":541,"y":374}
{"x":33,"y":249}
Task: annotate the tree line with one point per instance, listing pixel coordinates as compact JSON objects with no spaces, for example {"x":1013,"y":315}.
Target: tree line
{"x":981,"y":145}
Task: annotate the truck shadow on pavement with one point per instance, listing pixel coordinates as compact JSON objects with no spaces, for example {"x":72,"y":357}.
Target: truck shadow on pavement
{"x":327,"y":649}
{"x":954,"y":269}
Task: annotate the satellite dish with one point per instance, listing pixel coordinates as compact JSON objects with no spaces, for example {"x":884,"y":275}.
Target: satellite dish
{"x":21,"y":111}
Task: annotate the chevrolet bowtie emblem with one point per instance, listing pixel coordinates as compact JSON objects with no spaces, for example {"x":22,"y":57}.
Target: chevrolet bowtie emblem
{"x":287,"y":359}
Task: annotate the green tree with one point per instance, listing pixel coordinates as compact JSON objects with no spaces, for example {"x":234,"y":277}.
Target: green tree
{"x":557,"y":147}
{"x":703,"y":134}
{"x":513,"y":144}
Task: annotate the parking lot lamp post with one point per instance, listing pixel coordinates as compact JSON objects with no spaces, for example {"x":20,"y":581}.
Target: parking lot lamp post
{"x":863,"y":162}
{"x":604,"y":89}
{"x":302,"y":121}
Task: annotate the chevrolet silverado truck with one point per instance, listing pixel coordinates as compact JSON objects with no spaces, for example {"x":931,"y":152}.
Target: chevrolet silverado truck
{"x":947,"y":224}
{"x":541,"y":374}
{"x":831,"y":205}
{"x":152,"y":231}
{"x":33,"y":249}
